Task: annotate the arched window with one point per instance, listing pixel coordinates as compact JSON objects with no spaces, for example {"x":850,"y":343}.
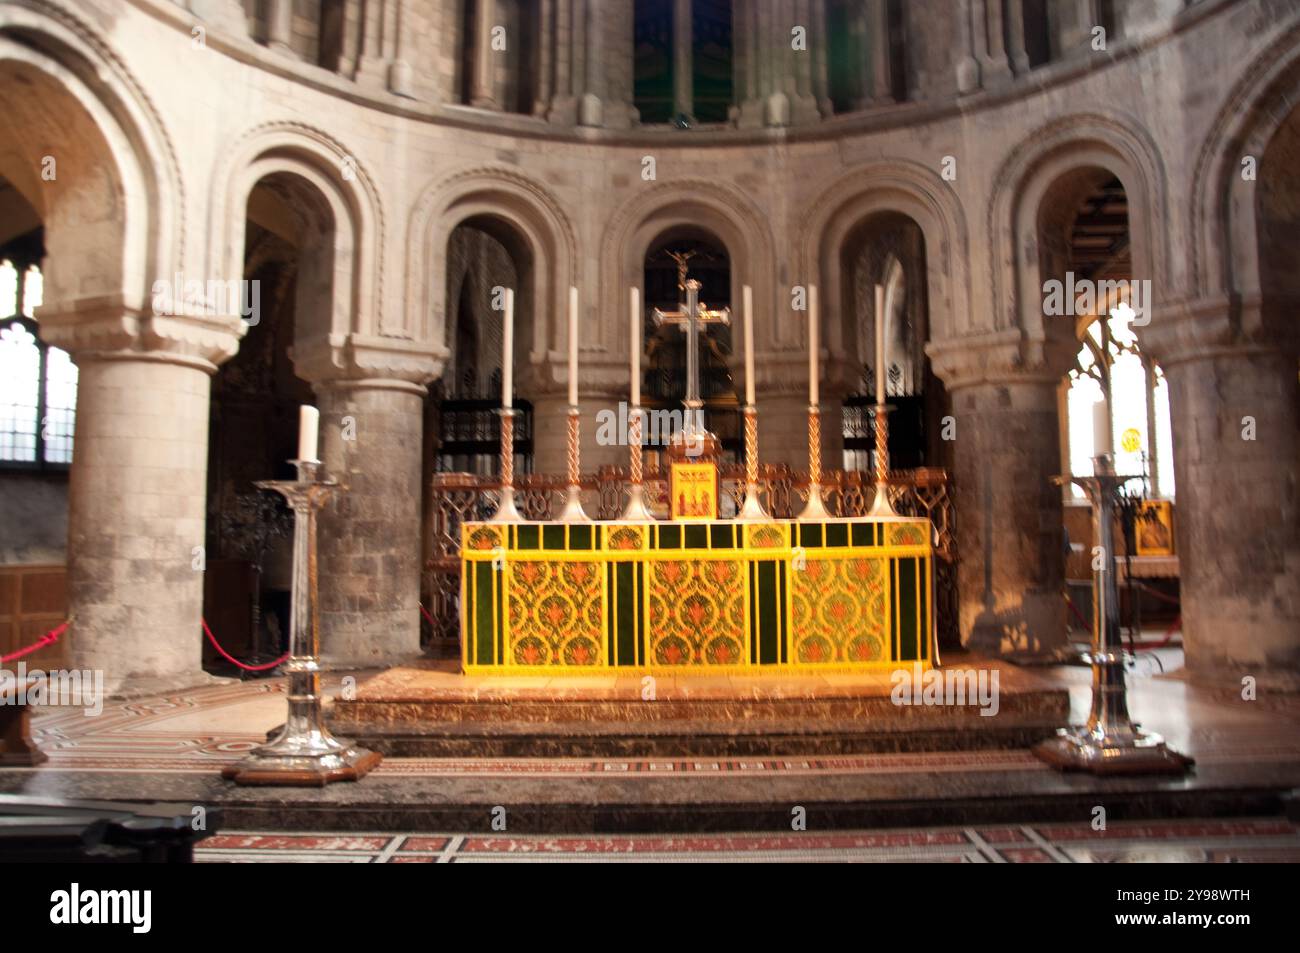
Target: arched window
{"x":1139,"y":404}
{"x":38,"y":383}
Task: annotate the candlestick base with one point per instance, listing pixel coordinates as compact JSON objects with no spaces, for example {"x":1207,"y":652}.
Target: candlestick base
{"x":303,"y":762}
{"x":1134,"y":752}
{"x":638,"y":510}
{"x":881,"y":508}
{"x":816,"y":508}
{"x":506,"y":511}
{"x":573,"y":511}
{"x":753,"y":509}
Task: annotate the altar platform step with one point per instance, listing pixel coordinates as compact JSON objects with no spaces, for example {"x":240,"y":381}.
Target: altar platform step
{"x":430,"y":711}
{"x":679,"y":738}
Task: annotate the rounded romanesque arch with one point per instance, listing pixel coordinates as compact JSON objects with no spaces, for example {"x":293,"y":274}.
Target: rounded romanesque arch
{"x":1232,"y":351}
{"x":907,"y":189}
{"x":1035,"y":175}
{"x":86,"y":150}
{"x":725,"y":213}
{"x":347,"y":203}
{"x":526,"y":216}
{"x":1221,"y":205}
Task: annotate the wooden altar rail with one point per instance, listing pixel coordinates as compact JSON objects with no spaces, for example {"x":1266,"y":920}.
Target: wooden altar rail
{"x":459,"y":497}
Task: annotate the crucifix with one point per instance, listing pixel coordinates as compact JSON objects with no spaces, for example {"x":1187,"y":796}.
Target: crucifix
{"x":690,"y":315}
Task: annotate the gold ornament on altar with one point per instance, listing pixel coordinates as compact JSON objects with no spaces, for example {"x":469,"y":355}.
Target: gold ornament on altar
{"x":694,"y":491}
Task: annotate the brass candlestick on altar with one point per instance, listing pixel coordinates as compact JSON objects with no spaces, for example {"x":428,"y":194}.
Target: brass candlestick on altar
{"x":506,"y":511}
{"x":880,"y":506}
{"x":816,"y":508}
{"x":1110,"y":743}
{"x":573,"y":511}
{"x":753,"y":509}
{"x":304,"y":753}
{"x":637,"y":509}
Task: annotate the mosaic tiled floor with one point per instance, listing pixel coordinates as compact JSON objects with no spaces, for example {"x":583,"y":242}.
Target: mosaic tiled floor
{"x":1187,"y":841}
{"x":199,"y":731}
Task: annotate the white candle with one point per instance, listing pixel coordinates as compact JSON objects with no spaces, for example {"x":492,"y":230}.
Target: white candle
{"x":308,"y":429}
{"x":573,"y":347}
{"x":636,"y":346}
{"x":749,"y":346}
{"x":1101,"y":442}
{"x":508,"y":351}
{"x":880,"y":344}
{"x":814,"y":394}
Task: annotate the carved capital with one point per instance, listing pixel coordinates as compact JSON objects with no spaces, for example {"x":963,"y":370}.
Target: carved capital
{"x":358,"y":357}
{"x":103,"y":328}
{"x":1196,"y":329}
{"x":1000,"y":357}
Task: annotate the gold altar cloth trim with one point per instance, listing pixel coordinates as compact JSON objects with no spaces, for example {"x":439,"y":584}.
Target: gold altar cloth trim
{"x":716,"y":597}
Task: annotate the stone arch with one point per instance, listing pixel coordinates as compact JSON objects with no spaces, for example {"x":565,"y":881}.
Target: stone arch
{"x":528,"y":213}
{"x":1225,"y":245}
{"x":722,"y":211}
{"x":330,"y":174}
{"x":118,"y":211}
{"x":1025,"y":182}
{"x":910,"y":190}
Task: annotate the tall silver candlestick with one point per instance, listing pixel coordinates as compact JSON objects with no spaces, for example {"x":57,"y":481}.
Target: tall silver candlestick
{"x":304,"y":753}
{"x":1110,"y":743}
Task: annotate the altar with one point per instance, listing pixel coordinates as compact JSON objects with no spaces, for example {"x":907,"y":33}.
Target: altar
{"x":721,"y":596}
{"x":694,"y":593}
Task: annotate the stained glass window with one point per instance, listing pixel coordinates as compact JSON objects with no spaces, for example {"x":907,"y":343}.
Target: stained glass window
{"x":38,"y":383}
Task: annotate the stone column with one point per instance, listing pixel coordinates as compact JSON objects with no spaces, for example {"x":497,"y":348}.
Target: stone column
{"x":483,"y":90}
{"x":545,"y":55}
{"x":778,"y":85}
{"x":1010,"y":523}
{"x":371,"y":399}
{"x":989,"y":45}
{"x":279,"y":25}
{"x":399,"y":71}
{"x":564,"y":107}
{"x":968,"y":67}
{"x":1233,"y":403}
{"x":592,"y":110}
{"x":820,"y":53}
{"x":369,"y":538}
{"x":871,"y":26}
{"x":1016,"y":36}
{"x":746,"y":63}
{"x":1073,"y":21}
{"x":137,"y":493}
{"x":683,"y":81}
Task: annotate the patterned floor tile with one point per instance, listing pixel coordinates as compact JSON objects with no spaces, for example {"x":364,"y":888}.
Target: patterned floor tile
{"x":1191,"y":841}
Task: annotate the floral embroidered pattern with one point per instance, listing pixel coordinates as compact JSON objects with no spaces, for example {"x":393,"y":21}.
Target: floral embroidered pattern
{"x":839,"y":611}
{"x":557,"y":614}
{"x":697,"y":612}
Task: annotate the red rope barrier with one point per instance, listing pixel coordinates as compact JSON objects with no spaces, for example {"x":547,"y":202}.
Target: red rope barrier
{"x":1077,"y":614}
{"x":231,"y":659}
{"x":1165,"y":639}
{"x":425,"y":612}
{"x":49,"y":638}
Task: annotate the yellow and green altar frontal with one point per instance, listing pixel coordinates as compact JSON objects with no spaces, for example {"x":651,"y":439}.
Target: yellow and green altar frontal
{"x":719,"y":597}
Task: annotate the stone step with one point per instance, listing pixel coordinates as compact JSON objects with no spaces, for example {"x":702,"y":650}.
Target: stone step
{"x":671,"y":738}
{"x":979,"y":800}
{"x":874,"y":710}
